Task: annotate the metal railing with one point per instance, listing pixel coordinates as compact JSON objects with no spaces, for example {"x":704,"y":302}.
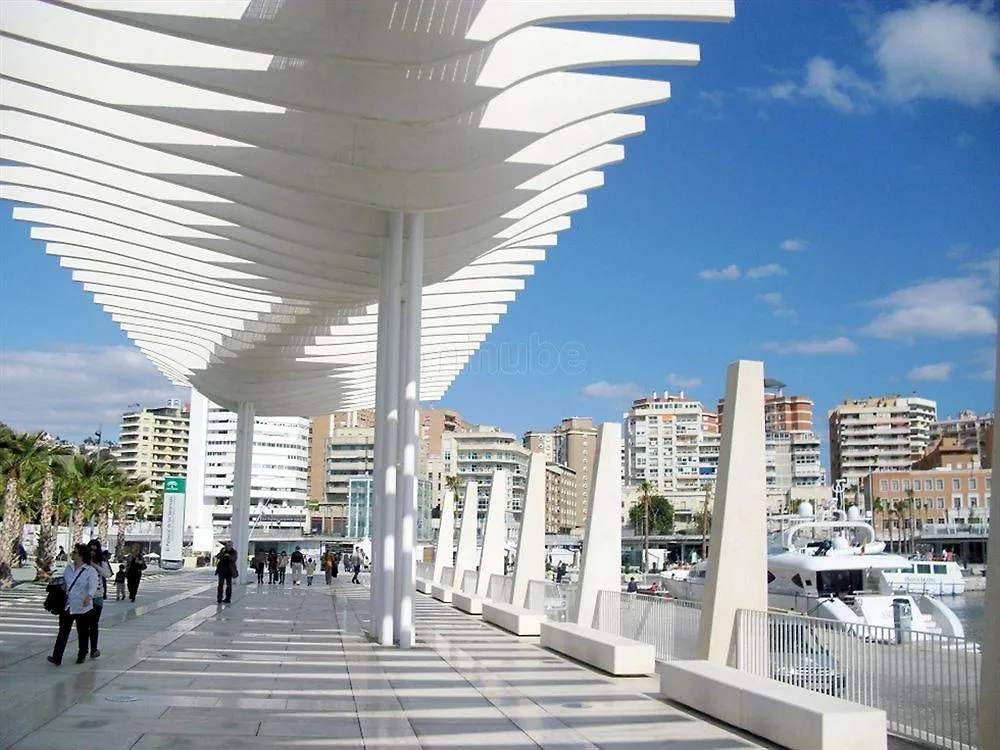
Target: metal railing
{"x":425,"y":570}
{"x":669,"y":625}
{"x":927,"y":684}
{"x":501,"y":589}
{"x":447,"y":577}
{"x":556,"y":601}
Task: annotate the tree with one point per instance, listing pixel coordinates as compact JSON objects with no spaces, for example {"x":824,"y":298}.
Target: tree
{"x":660,"y":514}
{"x":19,"y":452}
{"x":910,"y":512}
{"x":87,"y":478}
{"x":645,"y":491}
{"x":899,"y":510}
{"x":46,"y":553}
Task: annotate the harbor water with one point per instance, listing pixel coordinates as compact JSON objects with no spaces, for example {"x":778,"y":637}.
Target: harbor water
{"x":969,"y":608}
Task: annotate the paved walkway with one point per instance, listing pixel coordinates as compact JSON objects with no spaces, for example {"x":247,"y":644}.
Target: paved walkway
{"x":290,"y":668}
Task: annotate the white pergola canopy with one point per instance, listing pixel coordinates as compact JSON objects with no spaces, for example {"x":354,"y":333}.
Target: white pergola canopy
{"x":219,"y":174}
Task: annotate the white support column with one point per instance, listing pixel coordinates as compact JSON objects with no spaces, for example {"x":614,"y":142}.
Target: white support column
{"x":530,"y":565}
{"x":444,"y":552}
{"x":495,"y":533}
{"x":989,"y":685}
{"x":383,"y":400}
{"x":240,"y":503}
{"x":198,"y":516}
{"x":409,"y":433}
{"x":602,"y":545}
{"x":736,"y":576}
{"x":384,"y":544}
{"x":465,"y":557}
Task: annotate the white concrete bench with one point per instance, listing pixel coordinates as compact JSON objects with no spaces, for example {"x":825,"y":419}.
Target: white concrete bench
{"x":610,"y":653}
{"x":442,"y":593}
{"x":424,"y":585}
{"x":516,"y":620}
{"x":791,"y":716}
{"x":469,"y":603}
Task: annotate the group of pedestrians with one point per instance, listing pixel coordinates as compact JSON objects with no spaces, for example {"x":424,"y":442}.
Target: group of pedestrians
{"x":85,"y":583}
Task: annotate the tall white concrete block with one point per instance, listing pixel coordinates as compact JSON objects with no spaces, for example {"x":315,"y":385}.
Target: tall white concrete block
{"x":602,"y":545}
{"x":465,"y":557}
{"x":530,"y":565}
{"x":989,"y":685}
{"x":444,"y":552}
{"x":495,"y":533}
{"x":197,"y":514}
{"x":737,"y":558}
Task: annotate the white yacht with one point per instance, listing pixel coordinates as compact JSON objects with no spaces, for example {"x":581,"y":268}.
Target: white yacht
{"x":937,"y":577}
{"x":835,"y":569}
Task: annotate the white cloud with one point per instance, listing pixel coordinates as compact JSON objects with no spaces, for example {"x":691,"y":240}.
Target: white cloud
{"x":729,"y":273}
{"x":604,"y":389}
{"x":840,"y":345}
{"x":957,"y":251}
{"x":775,"y":299}
{"x":71,"y":391}
{"x":939,"y":50}
{"x":678,"y":381}
{"x":794,"y":245}
{"x":768,"y":269}
{"x":945,"y":308}
{"x":985,"y":361}
{"x":939,"y":372}
{"x":841,"y":88}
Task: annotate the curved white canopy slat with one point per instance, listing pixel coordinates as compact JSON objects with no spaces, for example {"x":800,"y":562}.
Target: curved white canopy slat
{"x":219,"y":175}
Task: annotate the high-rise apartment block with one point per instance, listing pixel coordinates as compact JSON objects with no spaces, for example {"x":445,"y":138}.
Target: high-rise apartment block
{"x":794,"y":470}
{"x":279,"y":471}
{"x":878,"y":434}
{"x":782,"y":413}
{"x":572,"y":444}
{"x":481,"y":451}
{"x":153,"y":443}
{"x":673,"y":443}
{"x":560,"y":499}
{"x":972,"y":431}
{"x":350,"y":453}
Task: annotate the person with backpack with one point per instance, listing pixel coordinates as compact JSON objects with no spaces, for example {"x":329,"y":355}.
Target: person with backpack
{"x":81,"y":584}
{"x":134,"y":566}
{"x":225,"y":569}
{"x":297,"y":561}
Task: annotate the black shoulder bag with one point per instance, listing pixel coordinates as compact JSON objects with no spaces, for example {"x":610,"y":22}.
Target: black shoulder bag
{"x":55,"y":596}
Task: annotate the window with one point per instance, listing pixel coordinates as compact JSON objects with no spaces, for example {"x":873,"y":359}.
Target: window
{"x":884,"y":485}
{"x":956,"y":501}
{"x":924,"y":568}
{"x":973,"y":501}
{"x":973,"y":483}
{"x":928,"y":484}
{"x":939,"y":503}
{"x":939,"y":484}
{"x":895,"y":484}
{"x":956,"y":484}
{"x":940,"y":570}
{"x":906,"y":484}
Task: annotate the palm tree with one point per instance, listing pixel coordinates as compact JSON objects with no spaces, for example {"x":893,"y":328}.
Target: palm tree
{"x":645,"y":493}
{"x":19,"y":452}
{"x":899,"y":510}
{"x":880,"y":507}
{"x":86,"y":478}
{"x":46,"y":554}
{"x":130,"y":490}
{"x":910,"y":510}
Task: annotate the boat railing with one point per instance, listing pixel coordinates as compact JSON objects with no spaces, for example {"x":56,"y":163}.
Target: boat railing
{"x":927,"y":684}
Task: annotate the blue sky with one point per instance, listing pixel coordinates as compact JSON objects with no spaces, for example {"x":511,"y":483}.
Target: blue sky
{"x":821,"y":192}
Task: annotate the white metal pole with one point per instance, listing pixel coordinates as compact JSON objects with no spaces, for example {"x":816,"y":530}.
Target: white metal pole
{"x":409,"y":393}
{"x":239,"y":525}
{"x":382,"y":401}
{"x":384,"y":554}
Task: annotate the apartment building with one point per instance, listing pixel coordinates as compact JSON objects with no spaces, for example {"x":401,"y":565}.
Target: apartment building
{"x":560,"y":499}
{"x":279,"y":473}
{"x":350,"y":452}
{"x":794,"y":470}
{"x":673,"y":443}
{"x":320,"y":430}
{"x":888,"y":433}
{"x":973,"y":432}
{"x":782,"y":413}
{"x":484,"y":449}
{"x":944,"y":496}
{"x":153,"y":443}
{"x":573,"y":444}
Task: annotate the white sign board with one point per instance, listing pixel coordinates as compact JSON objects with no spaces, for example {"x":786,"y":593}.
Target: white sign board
{"x":172,"y":541}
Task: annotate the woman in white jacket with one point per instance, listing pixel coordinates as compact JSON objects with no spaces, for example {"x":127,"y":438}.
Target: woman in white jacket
{"x":100,"y":565}
{"x":81,"y":583}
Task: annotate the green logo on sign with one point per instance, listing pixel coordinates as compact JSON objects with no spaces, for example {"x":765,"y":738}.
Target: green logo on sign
{"x":174,"y":484}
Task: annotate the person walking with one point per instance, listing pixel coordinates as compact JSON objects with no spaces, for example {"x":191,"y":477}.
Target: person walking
{"x":297,"y":561}
{"x":272,"y":566}
{"x":282,"y":565}
{"x":61,"y":555}
{"x":328,"y":566}
{"x":259,"y":565}
{"x":225,"y":569}
{"x":80,"y":580}
{"x":120,"y":583}
{"x":356,"y":565}
{"x":310,"y":571}
{"x":103,"y":570}
{"x":134,"y":566}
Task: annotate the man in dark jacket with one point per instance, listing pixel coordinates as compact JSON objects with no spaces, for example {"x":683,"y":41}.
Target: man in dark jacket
{"x":134,"y":566}
{"x":225,"y":569}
